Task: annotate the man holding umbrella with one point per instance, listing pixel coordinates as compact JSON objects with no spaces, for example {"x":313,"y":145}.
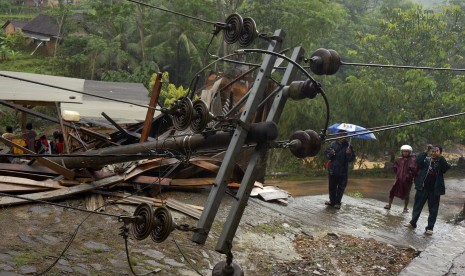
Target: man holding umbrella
{"x":339,"y":154}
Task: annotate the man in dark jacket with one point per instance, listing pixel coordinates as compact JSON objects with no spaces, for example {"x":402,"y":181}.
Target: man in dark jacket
{"x":340,"y":153}
{"x":429,"y":185}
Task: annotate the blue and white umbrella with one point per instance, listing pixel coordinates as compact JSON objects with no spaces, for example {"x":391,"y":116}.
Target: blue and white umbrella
{"x":351,"y":128}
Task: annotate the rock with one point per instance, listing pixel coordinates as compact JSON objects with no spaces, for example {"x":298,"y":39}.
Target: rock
{"x":5,"y":257}
{"x":97,"y":267}
{"x":65,"y":268}
{"x":63,"y":262}
{"x":172,"y":262}
{"x":28,"y":269}
{"x":81,"y":270}
{"x":25,"y":238}
{"x":50,"y":239}
{"x":157,"y":255}
{"x":204,"y":254}
{"x":316,"y":272}
{"x":5,"y":267}
{"x":97,"y":246}
{"x":37,"y":209}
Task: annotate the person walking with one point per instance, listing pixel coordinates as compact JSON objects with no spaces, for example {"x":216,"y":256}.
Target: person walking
{"x":406,"y":169}
{"x":429,"y":185}
{"x":339,"y":153}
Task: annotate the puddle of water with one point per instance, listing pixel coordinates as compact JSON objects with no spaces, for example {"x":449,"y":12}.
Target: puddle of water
{"x":377,"y":188}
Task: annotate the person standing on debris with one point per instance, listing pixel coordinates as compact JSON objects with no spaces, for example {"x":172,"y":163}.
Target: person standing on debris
{"x":429,"y":185}
{"x":339,"y":154}
{"x":406,"y":169}
{"x":29,"y":137}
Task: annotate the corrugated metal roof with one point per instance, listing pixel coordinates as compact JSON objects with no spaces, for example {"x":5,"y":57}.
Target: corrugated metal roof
{"x":17,"y":90}
{"x":121,"y":113}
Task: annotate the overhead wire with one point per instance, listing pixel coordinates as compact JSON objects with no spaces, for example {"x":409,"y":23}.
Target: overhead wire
{"x":173,"y":12}
{"x":380,"y":129}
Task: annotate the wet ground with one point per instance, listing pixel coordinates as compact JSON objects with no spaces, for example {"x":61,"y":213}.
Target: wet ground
{"x":33,"y":235}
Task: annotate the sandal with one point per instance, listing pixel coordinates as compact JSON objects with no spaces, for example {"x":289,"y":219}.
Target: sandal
{"x":329,"y":203}
{"x":387,"y":207}
{"x":405,"y":210}
{"x":337,"y":206}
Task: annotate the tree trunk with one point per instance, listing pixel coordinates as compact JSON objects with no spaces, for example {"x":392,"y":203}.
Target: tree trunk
{"x":140,"y":28}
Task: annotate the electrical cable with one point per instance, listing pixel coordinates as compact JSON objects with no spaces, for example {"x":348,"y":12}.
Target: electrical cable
{"x":182,"y":253}
{"x":59,"y":205}
{"x":397,"y":126}
{"x":173,"y":12}
{"x":317,"y":84}
{"x":403,"y":66}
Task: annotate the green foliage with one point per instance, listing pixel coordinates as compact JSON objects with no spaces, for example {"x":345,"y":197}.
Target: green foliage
{"x":169,"y":92}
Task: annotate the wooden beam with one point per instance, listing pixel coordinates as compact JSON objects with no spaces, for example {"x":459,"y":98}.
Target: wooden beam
{"x":151,"y":111}
{"x":64,"y":192}
{"x":28,"y":182}
{"x":68,"y":174}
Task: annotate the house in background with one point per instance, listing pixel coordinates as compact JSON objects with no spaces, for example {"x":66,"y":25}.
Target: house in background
{"x":43,"y":30}
{"x":43,"y":3}
{"x":12,"y":26}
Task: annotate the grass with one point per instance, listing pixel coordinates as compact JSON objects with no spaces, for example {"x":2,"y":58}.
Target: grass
{"x":25,"y":63}
{"x":355,"y":194}
{"x":269,"y":228}
{"x":24,"y":258}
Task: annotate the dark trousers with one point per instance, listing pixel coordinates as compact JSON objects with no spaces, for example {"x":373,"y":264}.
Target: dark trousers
{"x":421,"y":197}
{"x":337,"y":185}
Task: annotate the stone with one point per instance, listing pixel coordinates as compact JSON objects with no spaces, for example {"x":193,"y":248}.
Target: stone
{"x":157,"y":255}
{"x":28,"y":269}
{"x":6,"y":267}
{"x":117,"y":263}
{"x":81,"y":270}
{"x":51,"y":239}
{"x":5,"y":257}
{"x":37,"y":209}
{"x":65,"y":268}
{"x":172,"y":262}
{"x":204,"y":254}
{"x":63,"y":262}
{"x":97,"y":267}
{"x":97,"y":246}
{"x":153,"y":263}
{"x":25,"y":238}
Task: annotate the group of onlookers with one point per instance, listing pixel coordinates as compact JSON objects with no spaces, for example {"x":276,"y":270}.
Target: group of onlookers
{"x":31,"y":141}
{"x":425,"y":170}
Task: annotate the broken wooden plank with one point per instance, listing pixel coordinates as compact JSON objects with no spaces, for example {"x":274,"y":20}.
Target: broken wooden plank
{"x":151,"y":180}
{"x":205,"y":165}
{"x":64,"y":192}
{"x":183,"y":208}
{"x":13,"y":188}
{"x":193,"y":182}
{"x":44,"y":161}
{"x":50,"y":184}
{"x":27,"y":168}
{"x":23,"y":174}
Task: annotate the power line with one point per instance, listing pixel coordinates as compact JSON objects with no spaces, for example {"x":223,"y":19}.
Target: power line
{"x":402,"y":125}
{"x":173,"y":12}
{"x":403,"y":66}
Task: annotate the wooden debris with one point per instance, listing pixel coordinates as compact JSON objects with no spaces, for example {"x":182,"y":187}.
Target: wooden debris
{"x":94,"y":202}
